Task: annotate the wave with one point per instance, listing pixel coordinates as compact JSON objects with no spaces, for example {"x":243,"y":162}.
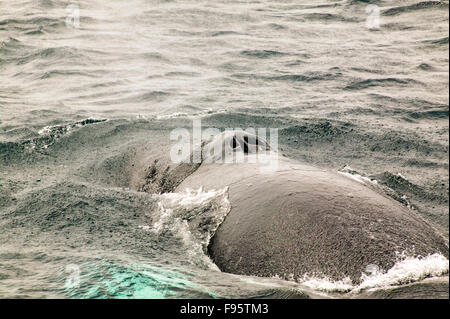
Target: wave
{"x":317,"y":130}
{"x":9,"y":42}
{"x":64,"y":73}
{"x":407,"y":102}
{"x":441,"y":42}
{"x":51,"y":54}
{"x":401,"y":185}
{"x":328,"y":136}
{"x":398,"y":27}
{"x":58,"y":130}
{"x":425,"y":67}
{"x":415,"y":197}
{"x":262,"y":54}
{"x":305,"y":78}
{"x":324,"y":17}
{"x":415,"y":7}
{"x":431,"y":114}
{"x":36,"y":21}
{"x":46,"y":137}
{"x":224,"y":33}
{"x":364,"y":84}
{"x":308,"y":77}
{"x":276,"y":26}
{"x":9,"y":48}
{"x":366,"y":70}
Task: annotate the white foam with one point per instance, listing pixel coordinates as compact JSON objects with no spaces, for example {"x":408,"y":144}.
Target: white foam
{"x":66,"y":128}
{"x":172,"y":115}
{"x":177,"y":210}
{"x":351,"y":173}
{"x":202,"y":113}
{"x":406,"y":270}
{"x":325,"y":284}
{"x":190,"y":198}
{"x":45,"y":130}
{"x":400,"y":175}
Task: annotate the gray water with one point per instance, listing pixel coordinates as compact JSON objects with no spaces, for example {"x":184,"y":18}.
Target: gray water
{"x":340,"y":91}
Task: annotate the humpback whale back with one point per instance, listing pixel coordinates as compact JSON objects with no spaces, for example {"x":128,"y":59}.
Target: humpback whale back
{"x":302,"y":221}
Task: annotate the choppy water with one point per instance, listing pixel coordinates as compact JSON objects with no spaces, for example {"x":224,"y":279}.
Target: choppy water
{"x":341,"y":94}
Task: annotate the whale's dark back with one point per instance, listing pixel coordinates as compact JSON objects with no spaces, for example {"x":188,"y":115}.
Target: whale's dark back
{"x":316,"y":223}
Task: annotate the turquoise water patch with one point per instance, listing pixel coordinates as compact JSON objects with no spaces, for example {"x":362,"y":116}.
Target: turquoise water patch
{"x":132,"y":281}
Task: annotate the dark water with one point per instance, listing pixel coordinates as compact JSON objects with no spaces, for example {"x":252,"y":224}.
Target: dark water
{"x":78,"y":103}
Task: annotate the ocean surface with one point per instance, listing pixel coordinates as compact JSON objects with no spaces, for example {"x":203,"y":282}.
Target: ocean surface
{"x":354,"y":86}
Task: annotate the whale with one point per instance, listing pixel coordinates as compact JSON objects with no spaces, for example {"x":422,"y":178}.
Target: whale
{"x":297,"y":220}
{"x":291,"y":220}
